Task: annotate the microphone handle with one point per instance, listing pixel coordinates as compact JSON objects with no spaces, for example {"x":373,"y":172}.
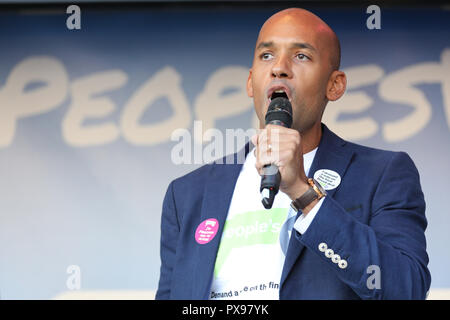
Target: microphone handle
{"x":270,"y":183}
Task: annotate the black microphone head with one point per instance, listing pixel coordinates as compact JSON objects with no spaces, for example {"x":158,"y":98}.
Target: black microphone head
{"x":279,"y":112}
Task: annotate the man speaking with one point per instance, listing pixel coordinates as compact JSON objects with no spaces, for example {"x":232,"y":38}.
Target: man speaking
{"x":347,"y":222}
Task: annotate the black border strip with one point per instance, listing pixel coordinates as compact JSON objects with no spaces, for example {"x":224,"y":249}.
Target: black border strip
{"x":246,"y":4}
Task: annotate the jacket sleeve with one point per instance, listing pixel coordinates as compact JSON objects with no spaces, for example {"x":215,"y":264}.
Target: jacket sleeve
{"x":170,"y":230}
{"x":391,"y":247}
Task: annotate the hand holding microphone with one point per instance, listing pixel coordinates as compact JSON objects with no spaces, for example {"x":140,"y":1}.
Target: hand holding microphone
{"x":279,"y":156}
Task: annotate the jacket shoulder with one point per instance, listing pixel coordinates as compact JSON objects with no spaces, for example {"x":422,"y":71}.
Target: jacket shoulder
{"x":361,"y":152}
{"x":380,"y":159}
{"x":370,"y":152}
{"x":195,"y":178}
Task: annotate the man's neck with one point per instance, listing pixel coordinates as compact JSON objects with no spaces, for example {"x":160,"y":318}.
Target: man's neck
{"x":311,"y":138}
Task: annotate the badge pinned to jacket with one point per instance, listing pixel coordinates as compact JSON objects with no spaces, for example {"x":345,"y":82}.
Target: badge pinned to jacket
{"x":206,"y":231}
{"x":329,"y":179}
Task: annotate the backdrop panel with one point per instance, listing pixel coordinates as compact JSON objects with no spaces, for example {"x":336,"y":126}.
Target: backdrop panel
{"x":86,"y":118}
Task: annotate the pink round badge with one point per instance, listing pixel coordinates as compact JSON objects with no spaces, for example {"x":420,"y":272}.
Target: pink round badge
{"x":206,"y":231}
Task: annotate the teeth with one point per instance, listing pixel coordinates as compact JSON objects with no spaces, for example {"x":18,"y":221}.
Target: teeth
{"x":278,"y":91}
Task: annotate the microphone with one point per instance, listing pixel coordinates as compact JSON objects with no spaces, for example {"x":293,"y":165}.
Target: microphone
{"x":279,"y":113}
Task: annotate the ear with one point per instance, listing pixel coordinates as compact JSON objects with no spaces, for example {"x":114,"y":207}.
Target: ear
{"x":249,"y":84}
{"x":337,"y":83}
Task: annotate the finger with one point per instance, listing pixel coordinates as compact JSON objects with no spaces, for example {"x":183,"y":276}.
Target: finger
{"x":266,"y":159}
{"x":282,"y":131}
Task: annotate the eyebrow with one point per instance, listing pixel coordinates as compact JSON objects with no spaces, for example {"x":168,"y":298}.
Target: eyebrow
{"x":301,"y":45}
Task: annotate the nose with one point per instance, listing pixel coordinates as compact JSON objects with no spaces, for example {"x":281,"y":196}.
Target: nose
{"x":282,"y":68}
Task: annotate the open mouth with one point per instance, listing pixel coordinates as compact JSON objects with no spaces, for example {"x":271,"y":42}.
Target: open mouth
{"x":278,"y":94}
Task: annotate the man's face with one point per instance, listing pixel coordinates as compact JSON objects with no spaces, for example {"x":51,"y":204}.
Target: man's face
{"x":291,"y":55}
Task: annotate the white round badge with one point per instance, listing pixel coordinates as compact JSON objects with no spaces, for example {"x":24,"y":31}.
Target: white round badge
{"x":328,"y":179}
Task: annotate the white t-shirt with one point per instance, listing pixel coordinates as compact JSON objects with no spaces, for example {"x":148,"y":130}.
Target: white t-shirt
{"x":250,"y":260}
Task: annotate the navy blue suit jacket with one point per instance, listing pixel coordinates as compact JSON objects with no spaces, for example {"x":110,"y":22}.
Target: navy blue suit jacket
{"x":375,"y":217}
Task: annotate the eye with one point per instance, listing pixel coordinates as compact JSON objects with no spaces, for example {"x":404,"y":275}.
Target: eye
{"x":266,"y":56}
{"x":302,"y":57}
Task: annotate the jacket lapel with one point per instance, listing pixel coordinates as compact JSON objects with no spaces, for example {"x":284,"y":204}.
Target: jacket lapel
{"x":330,"y":155}
{"x":216,"y":201}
